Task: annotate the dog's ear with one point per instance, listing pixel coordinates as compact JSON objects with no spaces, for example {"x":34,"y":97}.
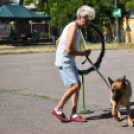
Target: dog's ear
{"x":110,"y":80}
{"x":123,"y":79}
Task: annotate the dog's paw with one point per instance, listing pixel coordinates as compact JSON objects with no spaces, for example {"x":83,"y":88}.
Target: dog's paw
{"x":130,"y":124}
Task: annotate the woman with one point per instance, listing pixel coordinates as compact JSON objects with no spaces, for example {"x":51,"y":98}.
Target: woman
{"x":65,"y":61}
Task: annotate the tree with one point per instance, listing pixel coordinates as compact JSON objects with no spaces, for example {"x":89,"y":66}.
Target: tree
{"x":28,"y":2}
{"x":63,"y":11}
{"x":129,"y":4}
{"x":6,"y":2}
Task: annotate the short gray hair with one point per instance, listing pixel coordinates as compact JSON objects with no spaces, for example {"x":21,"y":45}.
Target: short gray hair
{"x":86,"y":11}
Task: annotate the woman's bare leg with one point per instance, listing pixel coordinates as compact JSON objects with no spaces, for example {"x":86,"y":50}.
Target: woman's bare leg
{"x":74,"y":89}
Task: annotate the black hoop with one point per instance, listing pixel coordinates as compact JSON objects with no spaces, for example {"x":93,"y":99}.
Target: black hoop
{"x":99,"y":60}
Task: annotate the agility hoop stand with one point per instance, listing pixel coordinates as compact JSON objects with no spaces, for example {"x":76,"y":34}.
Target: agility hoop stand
{"x":128,"y":36}
{"x":84,"y":110}
{"x":128,"y":48}
{"x":97,"y":64}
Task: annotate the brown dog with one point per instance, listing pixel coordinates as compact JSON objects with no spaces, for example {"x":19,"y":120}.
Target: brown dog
{"x":120,"y":94}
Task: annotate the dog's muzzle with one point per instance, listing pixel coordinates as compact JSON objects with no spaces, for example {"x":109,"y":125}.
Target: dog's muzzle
{"x":116,"y":98}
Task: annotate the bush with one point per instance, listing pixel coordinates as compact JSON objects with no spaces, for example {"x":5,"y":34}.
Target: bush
{"x":46,"y":35}
{"x":42,"y":34}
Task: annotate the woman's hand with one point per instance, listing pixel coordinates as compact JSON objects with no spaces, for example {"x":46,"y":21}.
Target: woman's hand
{"x":87,"y":52}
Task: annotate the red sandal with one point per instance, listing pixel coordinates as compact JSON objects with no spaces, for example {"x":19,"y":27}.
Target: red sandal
{"x":61,"y":117}
{"x":78,"y":118}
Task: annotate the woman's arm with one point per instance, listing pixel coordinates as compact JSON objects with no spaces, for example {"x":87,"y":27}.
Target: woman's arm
{"x":57,"y":41}
{"x":70,"y":44}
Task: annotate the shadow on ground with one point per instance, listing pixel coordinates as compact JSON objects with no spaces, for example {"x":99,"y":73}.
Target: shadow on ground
{"x":107,"y":114}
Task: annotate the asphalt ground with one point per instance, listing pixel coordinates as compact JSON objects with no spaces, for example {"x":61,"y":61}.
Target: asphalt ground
{"x":31,"y":86}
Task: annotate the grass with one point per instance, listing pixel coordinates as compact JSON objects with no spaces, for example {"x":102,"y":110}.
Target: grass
{"x":34,"y":95}
{"x":42,"y":96}
{"x":110,"y":46}
{"x":10,"y":50}
{"x":5,"y":91}
{"x":41,"y":48}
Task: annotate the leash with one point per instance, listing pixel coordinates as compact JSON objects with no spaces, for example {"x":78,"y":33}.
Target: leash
{"x":96,"y":70}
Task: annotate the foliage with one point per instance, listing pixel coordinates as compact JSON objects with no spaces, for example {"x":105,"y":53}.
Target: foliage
{"x":63,"y":11}
{"x":28,"y":2}
{"x":44,"y":35}
{"x":129,"y":4}
{"x":7,"y":2}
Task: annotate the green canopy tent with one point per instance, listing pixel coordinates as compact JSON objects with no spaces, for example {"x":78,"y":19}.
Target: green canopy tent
{"x":20,"y":13}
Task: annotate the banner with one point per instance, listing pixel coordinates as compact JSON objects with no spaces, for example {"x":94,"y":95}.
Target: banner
{"x":5,"y":30}
{"x":116,"y":13}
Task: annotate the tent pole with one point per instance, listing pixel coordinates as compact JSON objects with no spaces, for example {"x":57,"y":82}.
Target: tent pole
{"x":31,"y":27}
{"x":51,"y":28}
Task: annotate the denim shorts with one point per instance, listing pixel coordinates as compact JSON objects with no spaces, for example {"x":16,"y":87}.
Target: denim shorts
{"x":69,"y":74}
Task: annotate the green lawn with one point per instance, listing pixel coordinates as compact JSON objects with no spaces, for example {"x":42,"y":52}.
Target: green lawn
{"x":41,"y":48}
{"x":9,"y":49}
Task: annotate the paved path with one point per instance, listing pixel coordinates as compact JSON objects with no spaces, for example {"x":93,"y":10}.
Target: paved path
{"x":35,"y":76}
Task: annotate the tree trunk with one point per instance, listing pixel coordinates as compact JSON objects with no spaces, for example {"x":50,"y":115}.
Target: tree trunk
{"x":21,"y":2}
{"x":117,"y":35}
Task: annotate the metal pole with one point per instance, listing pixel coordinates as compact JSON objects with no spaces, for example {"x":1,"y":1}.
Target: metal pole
{"x":84,"y":111}
{"x":83,"y":94}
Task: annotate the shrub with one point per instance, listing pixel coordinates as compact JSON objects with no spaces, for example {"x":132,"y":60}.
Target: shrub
{"x":42,"y":34}
{"x":46,"y":35}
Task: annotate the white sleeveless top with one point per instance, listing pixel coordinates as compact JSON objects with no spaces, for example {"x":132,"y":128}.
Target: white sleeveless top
{"x":62,"y":58}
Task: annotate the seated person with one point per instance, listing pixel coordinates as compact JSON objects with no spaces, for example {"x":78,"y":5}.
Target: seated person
{"x":12,"y":35}
{"x":35,"y":38}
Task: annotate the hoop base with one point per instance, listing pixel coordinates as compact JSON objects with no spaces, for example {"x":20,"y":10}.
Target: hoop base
{"x":128,"y":51}
{"x":85,"y":111}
